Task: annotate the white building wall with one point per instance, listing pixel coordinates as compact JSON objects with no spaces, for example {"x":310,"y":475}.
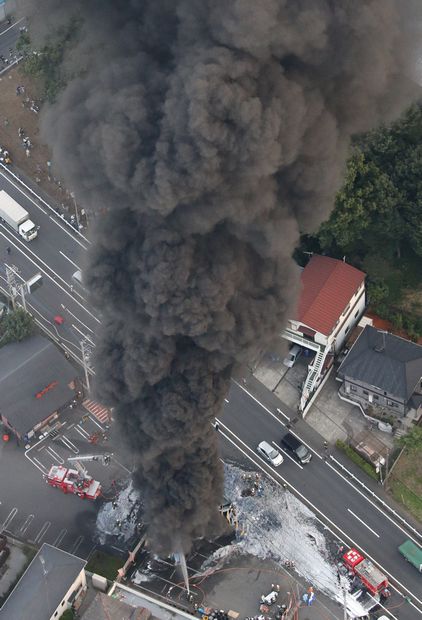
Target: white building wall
{"x":77,"y":585}
{"x":350,"y":320}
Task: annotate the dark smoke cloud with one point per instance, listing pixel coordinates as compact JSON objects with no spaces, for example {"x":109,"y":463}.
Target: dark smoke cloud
{"x":206,"y":134}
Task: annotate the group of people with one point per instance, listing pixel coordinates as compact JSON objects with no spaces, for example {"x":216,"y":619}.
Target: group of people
{"x":4,"y":156}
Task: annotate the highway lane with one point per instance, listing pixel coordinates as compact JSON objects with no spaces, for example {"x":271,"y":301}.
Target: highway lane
{"x":339,"y":503}
{"x":56,"y":253}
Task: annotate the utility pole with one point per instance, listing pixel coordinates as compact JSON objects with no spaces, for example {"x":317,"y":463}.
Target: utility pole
{"x":76,"y":208}
{"x":344,"y":604}
{"x":387,"y":472}
{"x":13,"y":283}
{"x":86,"y":348}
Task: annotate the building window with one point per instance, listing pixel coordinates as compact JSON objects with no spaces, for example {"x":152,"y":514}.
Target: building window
{"x":364,"y":392}
{"x":347,"y":329}
{"x":376,"y":397}
{"x":356,"y":313}
{"x":353,"y":388}
{"x":55,"y":613}
{"x":390,"y":403}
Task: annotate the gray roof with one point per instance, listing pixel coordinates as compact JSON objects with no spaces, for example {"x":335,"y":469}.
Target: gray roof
{"x":387,"y":362}
{"x":43,"y":585}
{"x":104,"y":607}
{"x":27,"y":368}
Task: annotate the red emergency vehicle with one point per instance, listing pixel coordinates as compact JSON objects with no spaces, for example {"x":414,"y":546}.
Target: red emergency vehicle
{"x":73,"y":481}
{"x":372,"y":578}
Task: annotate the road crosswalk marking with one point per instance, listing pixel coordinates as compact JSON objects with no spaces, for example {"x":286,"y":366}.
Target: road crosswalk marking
{"x":99,"y":411}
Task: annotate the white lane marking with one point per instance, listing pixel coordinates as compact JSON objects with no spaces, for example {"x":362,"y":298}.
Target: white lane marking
{"x":324,"y":520}
{"x":76,"y":545}
{"x":64,"y":229}
{"x":95,"y":422}
{"x":26,"y":524}
{"x":31,"y":191}
{"x":42,"y":532}
{"x":12,"y":26}
{"x":363,"y":523}
{"x":69,"y":444}
{"x":287,"y":454}
{"x":9,"y":518}
{"x":70,"y":260}
{"x":65,"y":290}
{"x":384,"y":514}
{"x":410,"y":527}
{"x":226,"y":400}
{"x":78,"y":430}
{"x":54,"y":455}
{"x":259,"y":403}
{"x":83,"y":335}
{"x":82,"y":430}
{"x":76,"y":318}
{"x":40,"y":466}
{"x":334,"y":469}
{"x":286,"y":416}
{"x":277,"y":419}
{"x":59,"y":538}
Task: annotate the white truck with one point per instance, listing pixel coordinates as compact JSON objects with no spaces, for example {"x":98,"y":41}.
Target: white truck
{"x":16,"y":217}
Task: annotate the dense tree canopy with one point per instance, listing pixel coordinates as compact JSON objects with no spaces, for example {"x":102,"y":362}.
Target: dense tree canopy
{"x":377,"y":220}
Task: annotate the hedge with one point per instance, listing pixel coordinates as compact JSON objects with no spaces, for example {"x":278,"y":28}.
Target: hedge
{"x":357,"y":459}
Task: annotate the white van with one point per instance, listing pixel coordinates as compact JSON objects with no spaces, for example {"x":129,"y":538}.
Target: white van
{"x":293,"y":355}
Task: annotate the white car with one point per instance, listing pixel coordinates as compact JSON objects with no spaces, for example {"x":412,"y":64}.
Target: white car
{"x":293,"y":355}
{"x":270,"y":454}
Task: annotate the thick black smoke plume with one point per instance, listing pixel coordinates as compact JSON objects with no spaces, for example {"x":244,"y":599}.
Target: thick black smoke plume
{"x":206,"y":134}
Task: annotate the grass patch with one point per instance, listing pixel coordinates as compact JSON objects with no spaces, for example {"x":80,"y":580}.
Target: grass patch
{"x":357,"y":459}
{"x":405,"y":483}
{"x":104,"y":564}
{"x":406,"y":497}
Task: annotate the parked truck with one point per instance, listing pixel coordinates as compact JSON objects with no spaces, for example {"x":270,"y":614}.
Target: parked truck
{"x":412,"y":553}
{"x":16,"y":217}
{"x":371,"y":577}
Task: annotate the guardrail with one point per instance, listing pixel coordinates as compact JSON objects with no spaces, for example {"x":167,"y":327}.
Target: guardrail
{"x":377,"y":497}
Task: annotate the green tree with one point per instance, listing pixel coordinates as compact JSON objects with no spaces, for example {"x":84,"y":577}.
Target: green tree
{"x":46,"y":65}
{"x":67,"y":615}
{"x":16,"y":326}
{"x":412,"y":442}
{"x":366,"y":217}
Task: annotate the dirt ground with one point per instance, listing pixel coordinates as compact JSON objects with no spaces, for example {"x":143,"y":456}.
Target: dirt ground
{"x":15,"y":113}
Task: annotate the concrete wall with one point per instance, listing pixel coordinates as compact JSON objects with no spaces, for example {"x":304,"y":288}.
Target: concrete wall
{"x":349,"y":319}
{"x":77,"y":586}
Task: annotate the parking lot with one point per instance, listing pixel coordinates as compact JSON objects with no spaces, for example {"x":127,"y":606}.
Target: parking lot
{"x":34,"y":511}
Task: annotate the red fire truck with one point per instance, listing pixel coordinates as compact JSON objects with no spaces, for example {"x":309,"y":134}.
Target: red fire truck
{"x":73,"y":481}
{"x":372,"y":578}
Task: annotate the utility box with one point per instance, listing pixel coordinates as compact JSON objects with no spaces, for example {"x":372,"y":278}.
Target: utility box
{"x":99,"y":582}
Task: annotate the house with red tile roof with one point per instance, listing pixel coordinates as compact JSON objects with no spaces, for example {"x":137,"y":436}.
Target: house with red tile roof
{"x":331,"y":302}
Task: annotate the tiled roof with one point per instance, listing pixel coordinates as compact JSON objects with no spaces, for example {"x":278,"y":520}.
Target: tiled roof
{"x":387,"y":362}
{"x":328,"y":285}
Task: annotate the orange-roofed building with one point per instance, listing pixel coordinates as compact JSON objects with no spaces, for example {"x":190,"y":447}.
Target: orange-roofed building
{"x":331,"y":302}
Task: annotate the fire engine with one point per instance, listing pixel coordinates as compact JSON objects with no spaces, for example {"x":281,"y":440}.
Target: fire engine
{"x":77,"y":481}
{"x":372,"y":578}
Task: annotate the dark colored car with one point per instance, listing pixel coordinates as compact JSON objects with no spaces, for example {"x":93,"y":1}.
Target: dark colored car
{"x":292,"y":444}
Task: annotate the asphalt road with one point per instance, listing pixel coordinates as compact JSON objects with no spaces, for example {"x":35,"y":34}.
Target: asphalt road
{"x":347,"y":512}
{"x":56,"y":253}
{"x":59,"y":251}
{"x":9,"y":34}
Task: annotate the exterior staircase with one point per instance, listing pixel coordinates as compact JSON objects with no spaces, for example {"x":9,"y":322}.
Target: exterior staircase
{"x":314,"y":373}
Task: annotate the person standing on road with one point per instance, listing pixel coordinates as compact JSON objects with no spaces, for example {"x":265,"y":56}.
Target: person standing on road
{"x":8,"y":250}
